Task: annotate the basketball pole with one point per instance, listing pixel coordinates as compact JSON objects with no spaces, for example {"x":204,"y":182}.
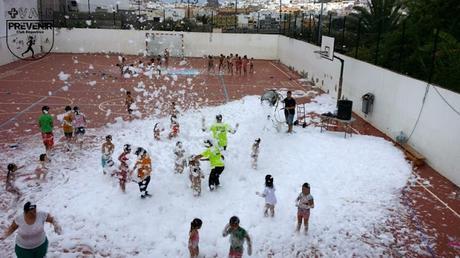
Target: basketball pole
{"x":339,"y":91}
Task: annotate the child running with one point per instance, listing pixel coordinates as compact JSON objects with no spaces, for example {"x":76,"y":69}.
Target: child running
{"x":124,"y":167}
{"x":195,"y":176}
{"x":255,"y":153}
{"x":166,"y":56}
{"x":237,"y":237}
{"x":107,"y":151}
{"x":10,"y":178}
{"x":67,"y":126}
{"x":173,"y":109}
{"x":45,"y":121}
{"x":304,"y":203}
{"x":179,"y":163}
{"x":174,"y":127}
{"x":269,"y":195}
{"x":42,"y":168}
{"x":144,"y":169}
{"x":129,"y":100}
{"x":194,"y":238}
{"x":79,"y":123}
{"x":157,"y":129}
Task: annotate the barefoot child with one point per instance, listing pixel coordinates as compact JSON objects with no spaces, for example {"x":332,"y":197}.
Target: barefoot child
{"x":45,"y":122}
{"x":174,"y":127}
{"x":195,"y":176}
{"x":166,"y":57}
{"x":255,"y":153}
{"x":194,"y":238}
{"x":67,"y":126}
{"x":10,"y":178}
{"x":107,"y":151}
{"x":79,"y":123}
{"x":173,"y":109}
{"x":144,"y":169}
{"x":124,"y":167}
{"x":237,"y":237}
{"x":179,"y":164}
{"x":157,"y":129}
{"x":239,"y":65}
{"x":304,"y":203}
{"x":245,"y":62}
{"x":210,"y":64}
{"x":42,"y":168}
{"x":230,"y":64}
{"x":221,"y":62}
{"x":269,"y":195}
{"x":129,"y":100}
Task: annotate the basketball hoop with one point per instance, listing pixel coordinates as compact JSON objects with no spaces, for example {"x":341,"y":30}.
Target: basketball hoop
{"x":322,"y":54}
{"x":327,"y":52}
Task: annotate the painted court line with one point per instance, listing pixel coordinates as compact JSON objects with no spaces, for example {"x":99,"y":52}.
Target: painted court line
{"x":287,"y":75}
{"x":29,"y":108}
{"x":439,"y":199}
{"x":222,"y":83}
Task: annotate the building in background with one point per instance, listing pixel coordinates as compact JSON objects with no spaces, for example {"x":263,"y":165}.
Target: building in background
{"x":213,"y":3}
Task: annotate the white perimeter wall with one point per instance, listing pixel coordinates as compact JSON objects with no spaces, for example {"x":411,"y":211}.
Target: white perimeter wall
{"x":397,"y":102}
{"x":397,"y":98}
{"x":195,"y":44}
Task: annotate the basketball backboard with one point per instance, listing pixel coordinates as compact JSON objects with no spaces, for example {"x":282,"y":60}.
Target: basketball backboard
{"x":327,"y":47}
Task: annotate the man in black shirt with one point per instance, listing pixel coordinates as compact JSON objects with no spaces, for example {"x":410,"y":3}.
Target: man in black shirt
{"x":289,"y":110}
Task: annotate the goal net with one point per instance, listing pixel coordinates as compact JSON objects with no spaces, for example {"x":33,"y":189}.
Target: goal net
{"x":157,"y":42}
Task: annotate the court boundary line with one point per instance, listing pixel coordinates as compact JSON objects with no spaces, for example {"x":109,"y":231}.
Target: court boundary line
{"x":224,"y":87}
{"x":26,"y":110}
{"x":439,"y":199}
{"x":287,"y":75}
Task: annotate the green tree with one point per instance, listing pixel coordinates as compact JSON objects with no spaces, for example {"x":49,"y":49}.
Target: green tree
{"x":380,"y":15}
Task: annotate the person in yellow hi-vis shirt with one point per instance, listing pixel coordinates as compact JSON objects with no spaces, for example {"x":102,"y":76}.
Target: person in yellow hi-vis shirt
{"x":212,"y":153}
{"x":219,"y":131}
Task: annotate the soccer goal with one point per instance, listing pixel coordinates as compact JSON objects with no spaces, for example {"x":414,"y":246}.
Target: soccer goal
{"x":157,"y":42}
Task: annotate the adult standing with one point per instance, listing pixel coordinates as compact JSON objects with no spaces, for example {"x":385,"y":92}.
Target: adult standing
{"x":45,"y":121}
{"x":219,"y":132}
{"x":212,"y":153}
{"x":31,"y":240}
{"x":289,"y":110}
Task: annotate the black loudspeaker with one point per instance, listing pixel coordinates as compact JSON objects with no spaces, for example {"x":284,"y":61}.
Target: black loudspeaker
{"x":344,"y":108}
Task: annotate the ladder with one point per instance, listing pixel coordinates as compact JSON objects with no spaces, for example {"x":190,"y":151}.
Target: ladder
{"x":301,"y":114}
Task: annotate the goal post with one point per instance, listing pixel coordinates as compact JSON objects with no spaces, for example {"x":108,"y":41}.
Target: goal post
{"x":157,"y":42}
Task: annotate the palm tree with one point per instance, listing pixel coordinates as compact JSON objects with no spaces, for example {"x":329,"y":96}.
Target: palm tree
{"x":379,"y":16}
